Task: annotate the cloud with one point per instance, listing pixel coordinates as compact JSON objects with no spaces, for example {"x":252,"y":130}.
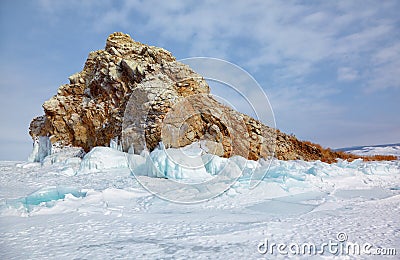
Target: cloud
{"x":384,"y":77}
{"x":387,"y":54}
{"x":347,"y":74}
{"x":384,"y":73}
{"x":294,"y":35}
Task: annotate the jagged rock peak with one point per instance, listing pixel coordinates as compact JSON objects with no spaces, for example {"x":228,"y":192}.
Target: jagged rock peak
{"x":119,"y":40}
{"x":121,"y":44}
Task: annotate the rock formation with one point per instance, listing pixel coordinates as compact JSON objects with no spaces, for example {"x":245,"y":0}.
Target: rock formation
{"x":141,"y":95}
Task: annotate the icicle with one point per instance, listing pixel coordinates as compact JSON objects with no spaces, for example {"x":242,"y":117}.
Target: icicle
{"x":161,"y":146}
{"x":41,"y":148}
{"x":116,"y":144}
{"x":131,"y":149}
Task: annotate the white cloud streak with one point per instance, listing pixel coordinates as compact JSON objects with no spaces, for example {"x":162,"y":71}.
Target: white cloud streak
{"x":347,"y":74}
{"x":295,"y":35}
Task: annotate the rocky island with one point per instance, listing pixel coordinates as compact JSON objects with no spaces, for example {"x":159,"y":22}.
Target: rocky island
{"x":141,"y":95}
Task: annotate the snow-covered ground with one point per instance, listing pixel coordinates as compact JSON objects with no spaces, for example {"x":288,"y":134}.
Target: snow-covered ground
{"x":68,"y":208}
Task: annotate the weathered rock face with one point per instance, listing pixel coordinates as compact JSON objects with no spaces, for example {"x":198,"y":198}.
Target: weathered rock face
{"x":142,"y":95}
{"x":88,"y":111}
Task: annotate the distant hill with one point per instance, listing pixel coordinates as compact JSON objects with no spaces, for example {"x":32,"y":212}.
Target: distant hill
{"x":381,"y":149}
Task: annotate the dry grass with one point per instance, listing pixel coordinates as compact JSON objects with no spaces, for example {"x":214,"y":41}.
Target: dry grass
{"x":351,"y":157}
{"x":329,"y":156}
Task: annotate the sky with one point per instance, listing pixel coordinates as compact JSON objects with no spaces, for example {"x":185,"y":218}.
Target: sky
{"x":330,"y":69}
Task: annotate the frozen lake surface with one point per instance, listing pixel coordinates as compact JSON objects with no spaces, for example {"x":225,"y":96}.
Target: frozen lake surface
{"x":96,"y":209}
